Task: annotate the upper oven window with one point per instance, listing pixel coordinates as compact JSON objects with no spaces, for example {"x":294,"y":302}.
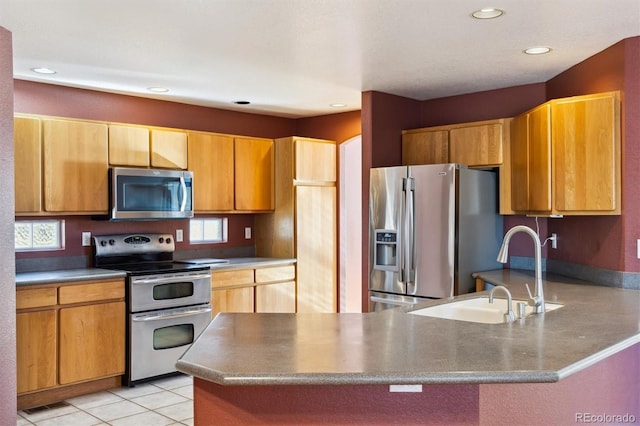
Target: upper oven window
{"x":172,"y":291}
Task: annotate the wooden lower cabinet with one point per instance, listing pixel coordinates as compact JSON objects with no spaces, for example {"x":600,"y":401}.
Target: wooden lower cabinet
{"x":70,"y":340}
{"x":279,"y":297}
{"x":268,"y":289}
{"x":232,"y":300}
{"x":36,"y":352}
{"x":91,"y":342}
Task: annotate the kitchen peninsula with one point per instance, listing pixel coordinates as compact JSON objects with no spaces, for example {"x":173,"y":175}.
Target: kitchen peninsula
{"x":390,"y":367}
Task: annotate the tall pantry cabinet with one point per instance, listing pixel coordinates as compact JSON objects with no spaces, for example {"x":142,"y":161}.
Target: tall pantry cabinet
{"x":304,"y":222}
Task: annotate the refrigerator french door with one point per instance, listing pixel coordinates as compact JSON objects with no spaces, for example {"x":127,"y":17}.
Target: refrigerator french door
{"x":431,"y":226}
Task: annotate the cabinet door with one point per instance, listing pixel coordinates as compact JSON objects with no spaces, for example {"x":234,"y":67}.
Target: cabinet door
{"x":520,"y":163}
{"x":476,"y":145}
{"x":75,"y":166}
{"x":586,"y":142}
{"x":315,"y":160}
{"x":278,"y":297}
{"x":254,"y":174}
{"x":539,"y":136}
{"x":92,"y":342}
{"x":211,"y":161}
{"x":232,"y":300}
{"x":316,"y":269}
{"x":28,"y":164}
{"x":36,"y":355}
{"x":128,"y":146}
{"x":426,"y":147}
{"x":168,"y":149}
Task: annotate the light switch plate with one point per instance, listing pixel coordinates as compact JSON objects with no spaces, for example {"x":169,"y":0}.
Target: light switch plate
{"x":86,"y":239}
{"x":247,"y":233}
{"x":179,"y":236}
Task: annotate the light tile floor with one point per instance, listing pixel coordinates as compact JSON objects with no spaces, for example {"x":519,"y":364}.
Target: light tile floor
{"x":167,"y":401}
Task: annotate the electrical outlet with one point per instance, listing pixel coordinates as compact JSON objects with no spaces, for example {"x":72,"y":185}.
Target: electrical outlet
{"x":554,"y":240}
{"x":179,"y":236}
{"x":247,"y":233}
{"x":86,"y":239}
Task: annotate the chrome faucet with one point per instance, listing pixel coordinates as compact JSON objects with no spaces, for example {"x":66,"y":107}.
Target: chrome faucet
{"x":509,"y":316}
{"x":537,"y":299}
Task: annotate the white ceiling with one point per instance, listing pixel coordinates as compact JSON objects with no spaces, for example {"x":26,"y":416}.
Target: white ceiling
{"x":292,"y":58}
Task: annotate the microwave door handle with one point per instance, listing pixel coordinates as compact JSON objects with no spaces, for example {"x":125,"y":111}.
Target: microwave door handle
{"x":183,"y":186}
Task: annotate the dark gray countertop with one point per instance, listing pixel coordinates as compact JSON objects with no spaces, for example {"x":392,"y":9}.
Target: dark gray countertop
{"x":66,"y":275}
{"x":70,"y":275}
{"x":391,"y":347}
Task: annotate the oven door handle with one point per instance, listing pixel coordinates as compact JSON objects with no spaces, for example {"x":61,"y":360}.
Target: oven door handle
{"x":159,"y":317}
{"x":170,"y":278}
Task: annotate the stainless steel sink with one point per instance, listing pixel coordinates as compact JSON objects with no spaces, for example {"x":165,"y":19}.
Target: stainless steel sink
{"x":477,"y":310}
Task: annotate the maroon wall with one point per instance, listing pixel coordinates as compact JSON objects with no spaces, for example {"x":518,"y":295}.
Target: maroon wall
{"x":479,"y":106}
{"x":610,"y":241}
{"x":7,"y":263}
{"x":49,"y":99}
{"x":335,"y":127}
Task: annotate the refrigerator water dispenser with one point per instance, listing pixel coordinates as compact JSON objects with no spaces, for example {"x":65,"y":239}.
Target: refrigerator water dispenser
{"x":386,"y":250}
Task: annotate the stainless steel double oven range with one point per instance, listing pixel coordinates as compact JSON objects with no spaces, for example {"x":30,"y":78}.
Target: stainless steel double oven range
{"x":168,"y":302}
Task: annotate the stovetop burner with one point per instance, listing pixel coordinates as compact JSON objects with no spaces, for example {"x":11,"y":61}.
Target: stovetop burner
{"x":139,"y":254}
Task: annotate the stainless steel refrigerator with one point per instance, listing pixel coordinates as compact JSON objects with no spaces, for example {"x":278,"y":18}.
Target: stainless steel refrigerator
{"x":430,"y":227}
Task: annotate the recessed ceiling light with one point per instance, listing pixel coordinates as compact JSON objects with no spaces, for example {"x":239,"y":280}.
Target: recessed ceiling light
{"x":338,"y":105}
{"x":158,"y":89}
{"x":487,"y":13}
{"x":241,"y":102}
{"x":43,"y":70}
{"x":538,"y":50}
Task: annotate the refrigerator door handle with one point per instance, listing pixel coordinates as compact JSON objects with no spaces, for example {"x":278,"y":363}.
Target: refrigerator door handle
{"x":409,"y":236}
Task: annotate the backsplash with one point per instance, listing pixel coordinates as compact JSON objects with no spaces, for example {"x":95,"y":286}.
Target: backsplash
{"x":75,"y":255}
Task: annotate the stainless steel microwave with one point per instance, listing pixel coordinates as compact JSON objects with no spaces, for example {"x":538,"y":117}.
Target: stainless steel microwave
{"x":144,"y":194}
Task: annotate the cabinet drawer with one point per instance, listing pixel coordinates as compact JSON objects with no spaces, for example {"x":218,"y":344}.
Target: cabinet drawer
{"x":232,"y":278}
{"x":278,"y":273}
{"x":91,"y":292}
{"x":36,"y":297}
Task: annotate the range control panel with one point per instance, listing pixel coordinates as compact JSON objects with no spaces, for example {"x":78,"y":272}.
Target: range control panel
{"x":111,"y":245}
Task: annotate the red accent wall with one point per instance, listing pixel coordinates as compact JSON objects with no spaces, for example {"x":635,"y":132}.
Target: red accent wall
{"x":7,"y":263}
{"x":479,"y":106}
{"x":49,"y":99}
{"x":334,"y":127}
{"x":610,"y":242}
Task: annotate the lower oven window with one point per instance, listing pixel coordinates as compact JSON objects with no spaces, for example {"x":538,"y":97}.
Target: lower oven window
{"x":173,"y":336}
{"x":172,"y":291}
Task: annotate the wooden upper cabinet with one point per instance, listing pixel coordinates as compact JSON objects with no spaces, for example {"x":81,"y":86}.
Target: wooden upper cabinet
{"x":168,"y":149}
{"x":75,"y":157}
{"x":539,"y":145}
{"x":28,"y":164}
{"x":479,"y":145}
{"x":254,"y":174}
{"x":565,"y":156}
{"x":128,"y":146}
{"x":586,"y":144}
{"x":520,"y":163}
{"x":315,"y":160}
{"x":424,"y":146}
{"x":210,"y":158}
